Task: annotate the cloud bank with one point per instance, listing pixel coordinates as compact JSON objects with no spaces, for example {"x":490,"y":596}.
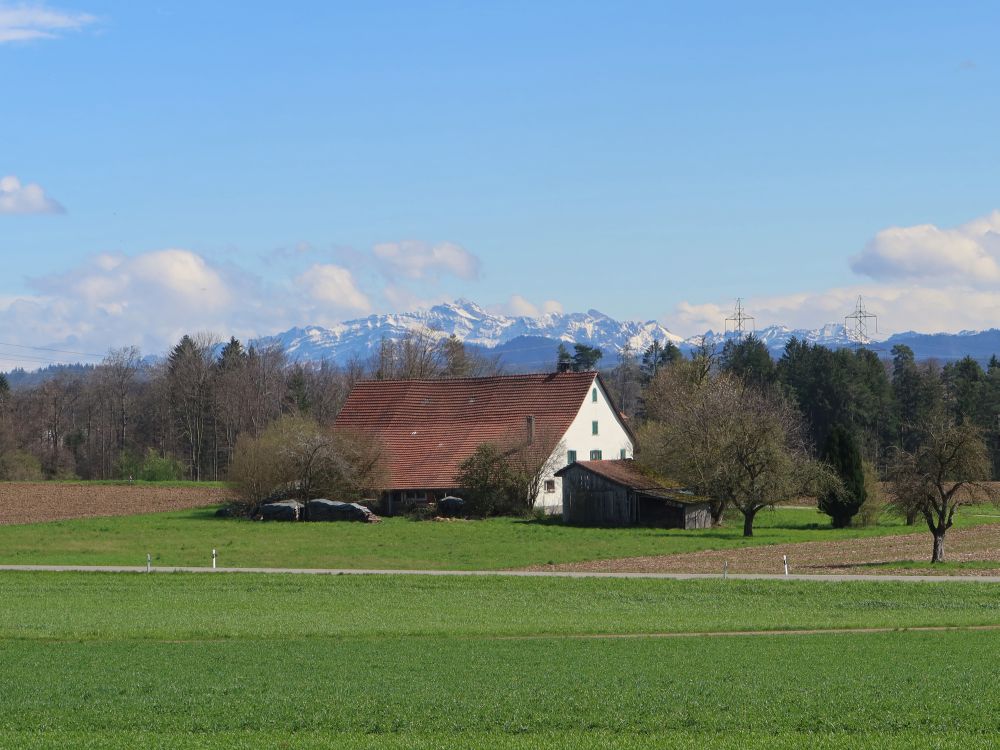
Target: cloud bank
{"x":18,"y":198}
{"x":26,"y":22}
{"x":926,"y":278}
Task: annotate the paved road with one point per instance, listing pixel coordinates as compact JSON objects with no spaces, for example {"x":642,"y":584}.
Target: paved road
{"x":507,"y":573}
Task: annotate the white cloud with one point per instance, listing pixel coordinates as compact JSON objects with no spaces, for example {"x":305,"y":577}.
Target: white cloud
{"x":420,"y":260}
{"x":335,"y":287}
{"x":935,"y":280}
{"x":968,"y":254}
{"x":28,"y":21}
{"x":19,"y":198}
{"x":518,"y":305}
{"x":150,"y":299}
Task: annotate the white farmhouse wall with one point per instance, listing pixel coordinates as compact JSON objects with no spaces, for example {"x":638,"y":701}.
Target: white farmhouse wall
{"x":611,"y":439}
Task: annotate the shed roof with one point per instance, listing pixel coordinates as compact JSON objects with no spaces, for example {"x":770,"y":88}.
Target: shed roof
{"x":429,"y":427}
{"x":627,"y":473}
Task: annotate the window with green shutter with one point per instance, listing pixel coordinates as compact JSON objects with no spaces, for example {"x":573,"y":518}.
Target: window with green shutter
{"x":623,"y":453}
{"x":593,"y":396}
{"x":593,"y":427}
{"x":570,"y":457}
{"x":595,"y":455}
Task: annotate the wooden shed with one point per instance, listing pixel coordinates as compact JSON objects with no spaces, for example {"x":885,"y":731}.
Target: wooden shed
{"x":618,"y":493}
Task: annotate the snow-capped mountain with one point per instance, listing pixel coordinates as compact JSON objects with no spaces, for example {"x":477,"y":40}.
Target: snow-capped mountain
{"x":522,"y":342}
{"x":833,"y":335}
{"x":520,"y":339}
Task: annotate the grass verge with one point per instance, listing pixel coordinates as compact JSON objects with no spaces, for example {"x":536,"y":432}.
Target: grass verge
{"x":187,"y":538}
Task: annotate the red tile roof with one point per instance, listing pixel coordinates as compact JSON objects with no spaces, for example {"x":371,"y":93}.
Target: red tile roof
{"x":429,"y":427}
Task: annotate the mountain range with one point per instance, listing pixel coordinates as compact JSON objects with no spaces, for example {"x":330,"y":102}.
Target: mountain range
{"x":526,"y":343}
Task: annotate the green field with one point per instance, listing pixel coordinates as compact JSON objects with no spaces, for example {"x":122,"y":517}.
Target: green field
{"x":187,"y":538}
{"x":212,"y":661}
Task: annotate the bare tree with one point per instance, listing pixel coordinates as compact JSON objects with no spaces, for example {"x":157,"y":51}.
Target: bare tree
{"x":738,"y":445}
{"x":948,"y":469}
{"x":189,"y":376}
{"x":119,"y":371}
{"x":297,"y":455}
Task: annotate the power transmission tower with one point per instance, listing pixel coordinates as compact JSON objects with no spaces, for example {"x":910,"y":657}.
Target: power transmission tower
{"x":739,"y":320}
{"x":857,"y":325}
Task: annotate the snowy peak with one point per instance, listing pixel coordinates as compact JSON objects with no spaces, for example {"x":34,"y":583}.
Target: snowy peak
{"x":529,"y":343}
{"x":472,"y":324}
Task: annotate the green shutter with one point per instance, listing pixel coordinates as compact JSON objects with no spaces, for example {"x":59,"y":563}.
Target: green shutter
{"x":593,"y":427}
{"x":595,"y":456}
{"x":593,"y":396}
{"x":570,"y":457}
{"x":623,"y":453}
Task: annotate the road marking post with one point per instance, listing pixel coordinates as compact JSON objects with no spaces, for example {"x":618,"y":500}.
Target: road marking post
{"x":725,"y":569}
{"x":149,"y":563}
{"x":214,"y":555}
{"x":784,"y":559}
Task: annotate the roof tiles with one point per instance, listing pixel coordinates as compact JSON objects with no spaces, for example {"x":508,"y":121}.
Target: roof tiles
{"x":429,"y":427}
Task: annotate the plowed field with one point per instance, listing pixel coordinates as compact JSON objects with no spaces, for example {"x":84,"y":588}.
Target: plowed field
{"x":979,"y":544}
{"x":31,"y":502}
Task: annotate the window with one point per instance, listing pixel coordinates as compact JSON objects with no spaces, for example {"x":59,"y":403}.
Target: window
{"x":595,"y":455}
{"x":570,"y":457}
{"x":623,"y":456}
{"x":593,"y":427}
{"x":550,"y":485}
{"x":593,"y":395}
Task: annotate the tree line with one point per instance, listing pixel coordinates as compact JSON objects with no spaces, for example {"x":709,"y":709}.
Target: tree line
{"x":746,"y":431}
{"x":182,"y":417}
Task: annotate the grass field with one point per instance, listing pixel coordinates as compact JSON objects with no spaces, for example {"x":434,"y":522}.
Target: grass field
{"x":183,"y":661}
{"x":187,"y":537}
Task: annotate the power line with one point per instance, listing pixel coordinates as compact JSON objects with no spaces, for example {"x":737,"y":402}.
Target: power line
{"x":48,"y":349}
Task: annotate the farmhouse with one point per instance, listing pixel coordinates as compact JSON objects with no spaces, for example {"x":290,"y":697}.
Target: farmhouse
{"x":429,"y":427}
{"x":617,"y":493}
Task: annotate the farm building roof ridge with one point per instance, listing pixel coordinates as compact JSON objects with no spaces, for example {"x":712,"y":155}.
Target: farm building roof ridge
{"x":428,"y":427}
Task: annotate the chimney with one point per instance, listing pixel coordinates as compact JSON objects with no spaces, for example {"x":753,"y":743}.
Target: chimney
{"x":531,"y":429}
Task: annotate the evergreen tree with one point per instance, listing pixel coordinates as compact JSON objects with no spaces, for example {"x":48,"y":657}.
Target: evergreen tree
{"x":749,"y":360}
{"x":843,"y":453}
{"x":659,"y":355}
{"x":564,"y":360}
{"x":585,"y":358}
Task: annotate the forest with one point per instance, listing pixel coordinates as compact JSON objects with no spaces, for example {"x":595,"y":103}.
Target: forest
{"x":182,"y":417}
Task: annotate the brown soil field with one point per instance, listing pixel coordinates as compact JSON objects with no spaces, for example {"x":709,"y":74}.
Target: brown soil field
{"x":31,"y":502}
{"x":852,"y":556}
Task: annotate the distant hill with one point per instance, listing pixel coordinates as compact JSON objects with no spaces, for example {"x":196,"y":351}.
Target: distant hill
{"x":525,"y":343}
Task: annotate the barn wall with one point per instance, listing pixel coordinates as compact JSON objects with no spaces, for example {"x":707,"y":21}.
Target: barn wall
{"x":591,"y":499}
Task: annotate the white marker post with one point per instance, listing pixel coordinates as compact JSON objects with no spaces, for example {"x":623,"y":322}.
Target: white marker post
{"x":784,"y":559}
{"x":214,"y":555}
{"x":149,"y":563}
{"x":725,"y":569}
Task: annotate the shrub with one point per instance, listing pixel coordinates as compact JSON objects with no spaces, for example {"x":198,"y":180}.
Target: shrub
{"x":298,"y":457}
{"x":871,"y":509}
{"x":20,"y":466}
{"x":151,"y":467}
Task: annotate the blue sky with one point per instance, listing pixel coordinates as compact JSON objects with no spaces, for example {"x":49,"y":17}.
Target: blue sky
{"x":243,"y":167}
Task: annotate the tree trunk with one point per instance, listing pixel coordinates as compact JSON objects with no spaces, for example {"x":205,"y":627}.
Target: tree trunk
{"x":938,"y":555}
{"x":748,"y":522}
{"x":911,"y":516}
{"x":718,"y":511}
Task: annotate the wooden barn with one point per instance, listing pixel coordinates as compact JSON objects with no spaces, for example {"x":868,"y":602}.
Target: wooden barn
{"x":617,"y":493}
